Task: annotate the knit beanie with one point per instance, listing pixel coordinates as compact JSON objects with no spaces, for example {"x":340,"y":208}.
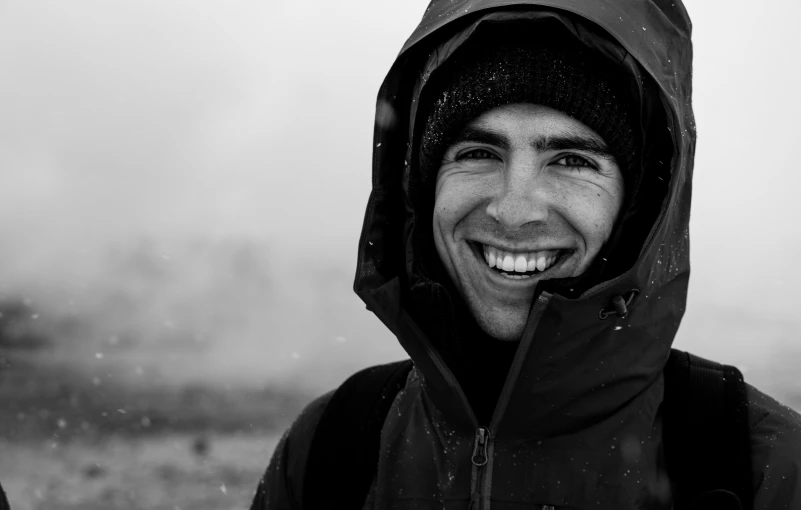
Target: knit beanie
{"x":563,"y":76}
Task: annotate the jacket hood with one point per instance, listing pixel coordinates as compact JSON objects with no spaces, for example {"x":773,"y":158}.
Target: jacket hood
{"x":573,"y":369}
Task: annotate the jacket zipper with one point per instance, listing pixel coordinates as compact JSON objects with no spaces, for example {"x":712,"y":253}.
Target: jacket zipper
{"x":481,"y":483}
{"x":480,"y":458}
{"x":483,"y":449}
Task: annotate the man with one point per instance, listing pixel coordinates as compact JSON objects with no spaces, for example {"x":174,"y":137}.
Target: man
{"x":527,"y":242}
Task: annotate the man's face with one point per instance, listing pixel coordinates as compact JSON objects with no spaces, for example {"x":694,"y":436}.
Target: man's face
{"x":525,"y":193}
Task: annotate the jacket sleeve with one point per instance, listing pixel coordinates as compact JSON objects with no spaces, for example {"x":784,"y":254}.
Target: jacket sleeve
{"x":281,"y":487}
{"x":3,"y":501}
{"x":775,"y":453}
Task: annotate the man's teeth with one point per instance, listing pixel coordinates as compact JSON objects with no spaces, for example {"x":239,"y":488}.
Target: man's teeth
{"x":520,"y":262}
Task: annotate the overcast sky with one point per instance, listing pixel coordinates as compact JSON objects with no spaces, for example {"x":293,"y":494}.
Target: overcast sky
{"x":173,"y":119}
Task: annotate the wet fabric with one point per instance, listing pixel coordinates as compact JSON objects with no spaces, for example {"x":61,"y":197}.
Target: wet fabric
{"x":3,"y":500}
{"x":775,"y":442}
{"x":577,"y":422}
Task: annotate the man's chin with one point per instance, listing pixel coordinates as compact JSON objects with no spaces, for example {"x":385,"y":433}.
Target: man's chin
{"x":507,"y":327}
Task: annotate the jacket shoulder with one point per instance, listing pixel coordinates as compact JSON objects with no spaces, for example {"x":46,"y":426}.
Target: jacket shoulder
{"x":775,"y":451}
{"x":281,"y":487}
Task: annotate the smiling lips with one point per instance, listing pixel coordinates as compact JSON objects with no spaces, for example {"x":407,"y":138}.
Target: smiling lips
{"x":519,"y":265}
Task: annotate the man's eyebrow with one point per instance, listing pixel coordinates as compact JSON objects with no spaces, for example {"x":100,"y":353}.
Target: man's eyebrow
{"x":482,"y":135}
{"x":573,"y":142}
{"x":552,"y":143}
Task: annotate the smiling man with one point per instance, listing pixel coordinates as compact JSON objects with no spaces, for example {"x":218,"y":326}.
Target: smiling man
{"x":525,"y":193}
{"x":527,"y":242}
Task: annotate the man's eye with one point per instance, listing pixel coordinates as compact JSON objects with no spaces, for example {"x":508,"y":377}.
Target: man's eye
{"x":477,"y":154}
{"x":573,"y":161}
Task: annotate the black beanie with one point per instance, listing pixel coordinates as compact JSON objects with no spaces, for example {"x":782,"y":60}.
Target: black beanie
{"x":565,"y":77}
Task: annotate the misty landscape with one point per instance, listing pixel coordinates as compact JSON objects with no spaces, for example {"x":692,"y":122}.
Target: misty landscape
{"x":141,"y":392}
{"x":183,"y":185}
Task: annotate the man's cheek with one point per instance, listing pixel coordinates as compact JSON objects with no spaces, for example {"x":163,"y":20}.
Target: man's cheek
{"x":447,"y":207}
{"x":458,"y":198}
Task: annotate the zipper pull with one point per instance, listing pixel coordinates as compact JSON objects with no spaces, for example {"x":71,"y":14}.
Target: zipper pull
{"x":480,"y":448}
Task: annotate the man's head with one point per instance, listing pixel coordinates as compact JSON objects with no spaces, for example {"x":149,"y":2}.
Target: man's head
{"x":533,"y":152}
{"x":525,"y":193}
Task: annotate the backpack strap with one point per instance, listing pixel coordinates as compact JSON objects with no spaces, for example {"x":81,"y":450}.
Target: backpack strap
{"x":344,"y":451}
{"x":706,"y":433}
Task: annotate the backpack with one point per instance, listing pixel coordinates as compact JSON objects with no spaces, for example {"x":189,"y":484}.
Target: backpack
{"x":705,"y":433}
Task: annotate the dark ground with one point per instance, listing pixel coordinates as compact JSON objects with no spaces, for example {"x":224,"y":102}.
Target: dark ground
{"x":69,"y":440}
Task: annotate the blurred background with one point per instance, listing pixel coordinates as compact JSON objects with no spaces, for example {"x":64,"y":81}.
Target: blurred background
{"x":183,"y":185}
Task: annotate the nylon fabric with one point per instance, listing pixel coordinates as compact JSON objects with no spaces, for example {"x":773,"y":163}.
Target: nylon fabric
{"x":3,"y":501}
{"x":345,"y":422}
{"x":775,"y":440}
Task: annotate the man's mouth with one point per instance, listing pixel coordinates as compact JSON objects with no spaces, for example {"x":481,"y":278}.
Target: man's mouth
{"x":520,"y":265}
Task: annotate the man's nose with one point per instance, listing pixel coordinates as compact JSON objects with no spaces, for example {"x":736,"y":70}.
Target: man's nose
{"x":523,"y":198}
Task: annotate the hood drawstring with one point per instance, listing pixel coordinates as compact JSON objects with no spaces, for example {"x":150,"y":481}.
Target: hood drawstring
{"x":619,"y":305}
